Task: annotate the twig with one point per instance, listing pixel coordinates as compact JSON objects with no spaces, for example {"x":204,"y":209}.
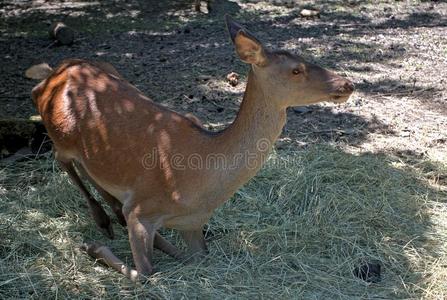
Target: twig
{"x":412,"y":92}
{"x":329,"y":131}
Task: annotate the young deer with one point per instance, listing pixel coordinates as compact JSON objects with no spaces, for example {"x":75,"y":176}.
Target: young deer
{"x":151,"y":164}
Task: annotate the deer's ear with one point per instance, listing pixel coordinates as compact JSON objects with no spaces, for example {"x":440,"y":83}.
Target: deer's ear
{"x":249,"y":49}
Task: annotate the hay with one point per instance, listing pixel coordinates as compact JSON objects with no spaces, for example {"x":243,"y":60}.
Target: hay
{"x":297,"y":230}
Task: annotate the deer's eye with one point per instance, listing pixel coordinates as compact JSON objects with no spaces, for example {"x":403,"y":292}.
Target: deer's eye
{"x":296,"y":71}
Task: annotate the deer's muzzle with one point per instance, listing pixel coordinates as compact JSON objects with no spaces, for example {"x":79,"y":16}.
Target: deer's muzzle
{"x":343,"y":91}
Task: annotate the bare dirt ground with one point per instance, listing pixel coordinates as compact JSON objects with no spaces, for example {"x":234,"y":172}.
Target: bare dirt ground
{"x":394,"y":51}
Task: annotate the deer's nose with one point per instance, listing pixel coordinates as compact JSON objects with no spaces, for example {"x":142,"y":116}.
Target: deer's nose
{"x":346,"y":87}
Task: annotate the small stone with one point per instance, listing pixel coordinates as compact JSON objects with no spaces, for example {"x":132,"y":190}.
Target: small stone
{"x":405,"y":133}
{"x":202,"y":6}
{"x":233,"y":78}
{"x":62,"y":33}
{"x":39,"y":71}
{"x":309,"y":13}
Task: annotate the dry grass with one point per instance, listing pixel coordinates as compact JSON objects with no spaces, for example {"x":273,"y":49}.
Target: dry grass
{"x":315,"y":212}
{"x":296,"y":230}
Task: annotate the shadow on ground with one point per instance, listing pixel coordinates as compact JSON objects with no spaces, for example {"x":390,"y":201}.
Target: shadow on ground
{"x":312,"y":219}
{"x":312,"y":214}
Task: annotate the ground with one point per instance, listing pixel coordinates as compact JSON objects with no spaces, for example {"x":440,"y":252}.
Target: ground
{"x":347,"y":184}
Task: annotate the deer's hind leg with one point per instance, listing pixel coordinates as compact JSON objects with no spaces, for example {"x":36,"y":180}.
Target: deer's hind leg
{"x":159,"y":242}
{"x":101,"y":218}
{"x":114,"y":203}
{"x":105,"y":255}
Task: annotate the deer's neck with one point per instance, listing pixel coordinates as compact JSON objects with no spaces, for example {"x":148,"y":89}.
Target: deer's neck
{"x":247,"y":142}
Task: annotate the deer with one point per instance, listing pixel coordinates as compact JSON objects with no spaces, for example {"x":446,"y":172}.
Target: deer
{"x":129,"y":148}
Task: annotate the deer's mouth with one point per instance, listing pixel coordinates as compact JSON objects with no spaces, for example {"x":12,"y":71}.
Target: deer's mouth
{"x":340,"y":98}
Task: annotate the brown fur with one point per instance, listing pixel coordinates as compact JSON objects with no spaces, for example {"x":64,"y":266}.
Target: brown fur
{"x":106,"y":126}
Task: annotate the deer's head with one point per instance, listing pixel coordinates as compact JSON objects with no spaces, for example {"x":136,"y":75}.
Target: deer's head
{"x":287,"y":78}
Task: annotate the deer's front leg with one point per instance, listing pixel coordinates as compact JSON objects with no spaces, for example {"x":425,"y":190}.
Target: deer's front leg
{"x":195,"y":240}
{"x":141,"y":237}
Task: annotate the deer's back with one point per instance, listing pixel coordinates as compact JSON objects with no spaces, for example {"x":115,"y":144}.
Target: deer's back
{"x":99,"y":119}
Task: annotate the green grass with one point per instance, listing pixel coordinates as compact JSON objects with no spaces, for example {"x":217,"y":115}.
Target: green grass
{"x":297,"y":230}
